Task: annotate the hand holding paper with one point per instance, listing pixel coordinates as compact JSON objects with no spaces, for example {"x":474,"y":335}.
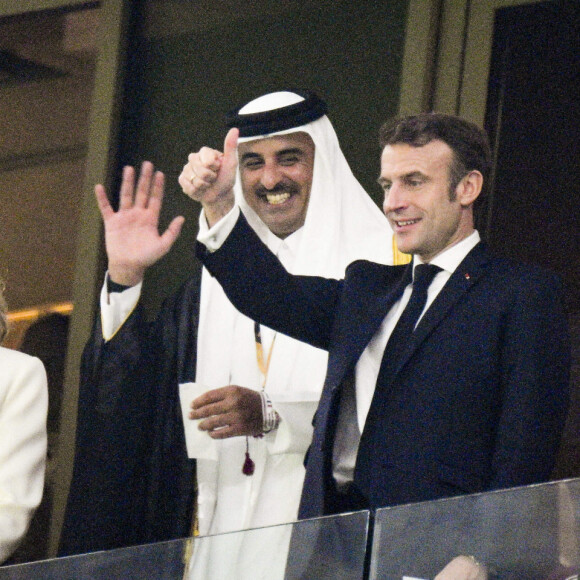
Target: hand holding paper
{"x":230,"y":411}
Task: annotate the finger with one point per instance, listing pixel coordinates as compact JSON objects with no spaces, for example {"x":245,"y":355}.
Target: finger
{"x":127,"y":186}
{"x":193,"y":183}
{"x":209,"y":397}
{"x":203,"y":167}
{"x":230,"y":158}
{"x":171,"y":233}
{"x":217,"y":422}
{"x":235,"y":429}
{"x":103,"y":202}
{"x":231,"y":142}
{"x":190,"y":170}
{"x":144,"y":184}
{"x":226,"y":432}
{"x":208,"y":159}
{"x":157,"y":192}
{"x":208,"y":410}
{"x":158,"y":185}
{"x":184,"y":182}
{"x":226,"y":425}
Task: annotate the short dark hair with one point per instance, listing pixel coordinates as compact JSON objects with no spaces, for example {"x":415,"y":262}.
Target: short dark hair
{"x":467,"y":141}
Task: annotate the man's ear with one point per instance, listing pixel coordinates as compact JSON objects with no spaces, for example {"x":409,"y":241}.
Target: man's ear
{"x":469,"y":188}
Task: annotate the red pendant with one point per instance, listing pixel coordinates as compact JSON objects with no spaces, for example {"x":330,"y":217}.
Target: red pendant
{"x":248,"y":468}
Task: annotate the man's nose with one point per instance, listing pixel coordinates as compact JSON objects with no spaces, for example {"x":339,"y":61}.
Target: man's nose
{"x":270,"y":175}
{"x":395,"y":199}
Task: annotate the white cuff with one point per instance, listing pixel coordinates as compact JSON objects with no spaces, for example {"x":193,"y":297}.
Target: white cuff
{"x":116,"y":307}
{"x":213,"y":238}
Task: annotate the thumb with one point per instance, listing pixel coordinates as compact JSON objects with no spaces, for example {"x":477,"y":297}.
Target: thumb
{"x":171,"y":233}
{"x":230,"y":158}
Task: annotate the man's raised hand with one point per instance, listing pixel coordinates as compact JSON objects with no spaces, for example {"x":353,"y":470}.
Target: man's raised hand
{"x":132,"y":236}
{"x":209,"y":176}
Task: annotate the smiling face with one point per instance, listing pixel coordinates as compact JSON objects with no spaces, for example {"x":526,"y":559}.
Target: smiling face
{"x":425,"y":215}
{"x":276,"y":175}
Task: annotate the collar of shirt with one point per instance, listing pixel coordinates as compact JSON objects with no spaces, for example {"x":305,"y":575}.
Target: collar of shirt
{"x":285,"y":249}
{"x":449,"y":259}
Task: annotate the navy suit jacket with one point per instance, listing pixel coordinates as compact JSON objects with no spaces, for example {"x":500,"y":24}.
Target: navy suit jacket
{"x":479,"y":400}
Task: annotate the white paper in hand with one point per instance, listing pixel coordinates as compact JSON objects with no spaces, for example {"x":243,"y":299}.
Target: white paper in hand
{"x":199,"y":444}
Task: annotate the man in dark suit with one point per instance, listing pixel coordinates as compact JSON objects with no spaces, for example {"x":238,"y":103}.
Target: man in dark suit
{"x":473,"y":395}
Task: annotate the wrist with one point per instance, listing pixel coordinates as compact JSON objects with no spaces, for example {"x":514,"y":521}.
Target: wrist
{"x":125,"y":276}
{"x":270,"y":417}
{"x":218,"y":209}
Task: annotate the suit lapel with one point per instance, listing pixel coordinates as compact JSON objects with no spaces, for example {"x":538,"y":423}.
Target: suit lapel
{"x":370,"y":299}
{"x":465,"y":276}
{"x":471,"y":269}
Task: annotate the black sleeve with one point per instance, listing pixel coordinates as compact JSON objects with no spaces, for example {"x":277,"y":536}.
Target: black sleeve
{"x":132,"y":481}
{"x":257,"y":284}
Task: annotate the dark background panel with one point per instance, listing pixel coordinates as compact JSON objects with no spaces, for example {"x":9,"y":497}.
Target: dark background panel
{"x":180,"y":85}
{"x":533,"y":118}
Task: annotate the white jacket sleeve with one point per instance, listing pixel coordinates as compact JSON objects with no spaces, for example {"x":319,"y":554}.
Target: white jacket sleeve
{"x":23,"y":410}
{"x":116,"y":307}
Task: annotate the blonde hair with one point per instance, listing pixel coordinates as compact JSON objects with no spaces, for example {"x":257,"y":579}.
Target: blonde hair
{"x":3,"y":313}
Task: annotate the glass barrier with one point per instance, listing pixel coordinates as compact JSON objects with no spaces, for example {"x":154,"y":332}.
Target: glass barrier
{"x":328,"y":548}
{"x":526,"y":533}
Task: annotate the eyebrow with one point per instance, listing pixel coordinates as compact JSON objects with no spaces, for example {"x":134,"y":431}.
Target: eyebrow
{"x":411,"y":175}
{"x":289,"y":151}
{"x":250,"y":155}
{"x":414,"y":175}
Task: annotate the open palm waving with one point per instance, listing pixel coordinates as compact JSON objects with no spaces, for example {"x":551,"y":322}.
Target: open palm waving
{"x":132,"y":237}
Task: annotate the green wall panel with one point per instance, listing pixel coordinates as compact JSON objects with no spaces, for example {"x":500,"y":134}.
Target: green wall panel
{"x":181,"y":82}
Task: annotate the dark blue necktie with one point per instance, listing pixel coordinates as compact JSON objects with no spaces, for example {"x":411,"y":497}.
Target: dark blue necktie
{"x":402,"y":334}
{"x":400,"y":340}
